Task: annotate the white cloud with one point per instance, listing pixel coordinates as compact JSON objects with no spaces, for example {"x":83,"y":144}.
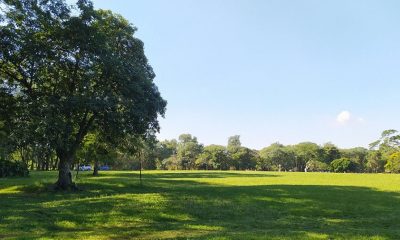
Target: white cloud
{"x":343,"y":117}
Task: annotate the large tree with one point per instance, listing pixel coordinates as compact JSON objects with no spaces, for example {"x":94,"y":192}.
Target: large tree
{"x":71,"y":72}
{"x":358,"y":155}
{"x":330,"y":152}
{"x":388,"y":143}
{"x":304,"y":152}
{"x":244,"y":158}
{"x":234,"y":143}
{"x":277,"y":157}
{"x":213,"y":157}
{"x":389,"y":148}
{"x":188,"y":150}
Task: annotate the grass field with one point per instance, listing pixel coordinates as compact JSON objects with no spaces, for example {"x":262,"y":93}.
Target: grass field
{"x":203,"y":205}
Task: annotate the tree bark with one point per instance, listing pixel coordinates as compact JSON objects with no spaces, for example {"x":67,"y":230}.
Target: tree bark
{"x":96,"y":168}
{"x":47,"y":165}
{"x":66,"y":155}
{"x":32,"y":165}
{"x":64,"y":181}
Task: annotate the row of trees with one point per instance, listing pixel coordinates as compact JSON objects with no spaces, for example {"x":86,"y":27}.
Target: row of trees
{"x":187,"y":153}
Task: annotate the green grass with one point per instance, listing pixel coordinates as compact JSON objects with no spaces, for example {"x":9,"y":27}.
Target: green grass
{"x":203,"y":205}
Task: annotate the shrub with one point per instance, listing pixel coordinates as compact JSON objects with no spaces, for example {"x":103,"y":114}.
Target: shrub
{"x":343,"y":165}
{"x":13,"y":169}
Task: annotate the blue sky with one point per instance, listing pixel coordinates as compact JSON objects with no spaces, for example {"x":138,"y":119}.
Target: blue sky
{"x":286,"y":71}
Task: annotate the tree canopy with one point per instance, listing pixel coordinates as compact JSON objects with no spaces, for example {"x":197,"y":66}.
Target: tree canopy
{"x":68,"y":73}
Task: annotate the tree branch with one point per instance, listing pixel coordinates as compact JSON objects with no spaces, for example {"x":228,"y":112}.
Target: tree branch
{"x":84,"y":128}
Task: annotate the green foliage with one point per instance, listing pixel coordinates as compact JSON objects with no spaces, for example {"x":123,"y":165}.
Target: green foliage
{"x":213,"y":157}
{"x":388,"y":143}
{"x":387,"y":148}
{"x":13,"y":169}
{"x":343,"y":165}
{"x":3,"y":142}
{"x":240,"y":158}
{"x":317,"y":166}
{"x":137,"y":152}
{"x":305,"y":152}
{"x":234,"y":143}
{"x":72,"y":72}
{"x":375,"y":163}
{"x":393,"y":163}
{"x":330,"y":152}
{"x":188,"y":153}
{"x":188,"y":150}
{"x":357,"y":155}
{"x":276,"y":157}
{"x":166,"y":148}
{"x":93,"y":149}
{"x":171,"y":163}
{"x":244,"y":159}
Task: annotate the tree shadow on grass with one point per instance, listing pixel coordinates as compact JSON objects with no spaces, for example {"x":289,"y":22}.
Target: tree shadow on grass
{"x":168,"y":209}
{"x":210,"y":174}
{"x":186,"y":174}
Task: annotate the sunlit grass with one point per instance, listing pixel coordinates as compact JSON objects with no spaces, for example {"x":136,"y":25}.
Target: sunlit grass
{"x":203,"y":205}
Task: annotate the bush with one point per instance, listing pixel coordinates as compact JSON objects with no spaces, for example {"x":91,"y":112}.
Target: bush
{"x":13,"y":169}
{"x":343,"y":165}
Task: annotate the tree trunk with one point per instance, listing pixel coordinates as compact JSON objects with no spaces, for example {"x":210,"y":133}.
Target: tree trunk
{"x":55,"y":164}
{"x":47,"y":165}
{"x":64,"y":181}
{"x":32,"y":165}
{"x":42,"y":164}
{"x":96,"y":168}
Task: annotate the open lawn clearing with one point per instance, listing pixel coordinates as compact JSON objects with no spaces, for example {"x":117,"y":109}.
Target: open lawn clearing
{"x":203,"y":205}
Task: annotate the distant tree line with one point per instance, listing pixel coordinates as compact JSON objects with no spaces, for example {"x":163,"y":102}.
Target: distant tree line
{"x":187,"y":153}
